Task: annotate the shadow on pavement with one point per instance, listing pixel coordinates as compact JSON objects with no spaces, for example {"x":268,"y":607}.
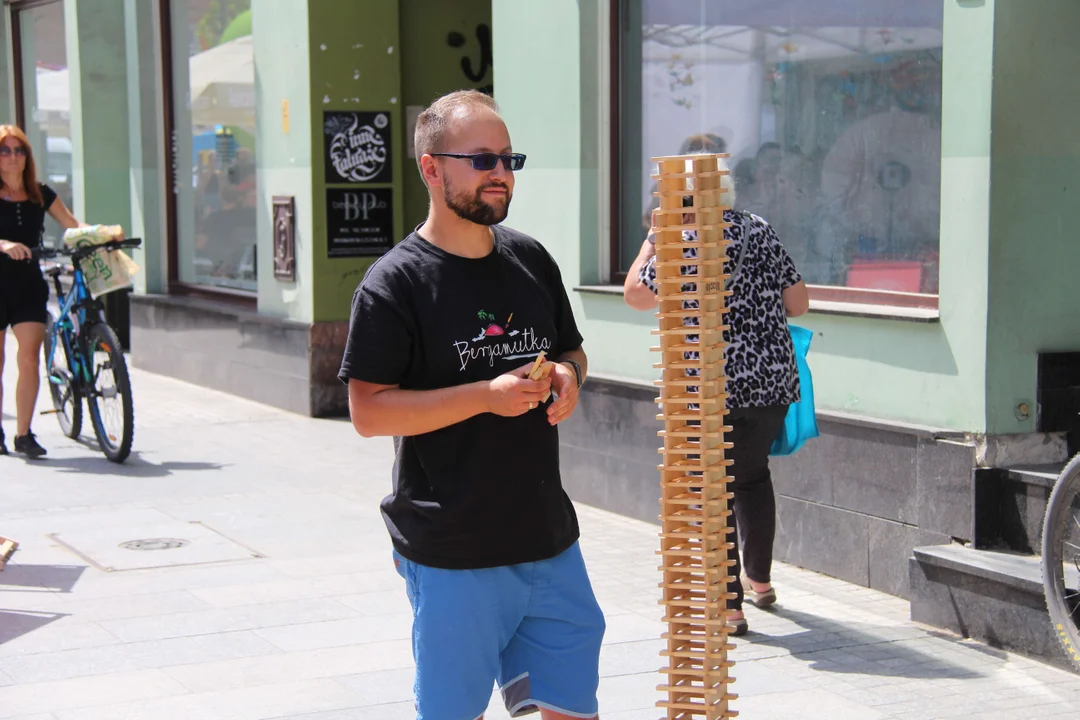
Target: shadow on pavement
{"x":842,"y":647}
{"x":15,"y":623}
{"x":134,"y":466}
{"x":46,"y":578}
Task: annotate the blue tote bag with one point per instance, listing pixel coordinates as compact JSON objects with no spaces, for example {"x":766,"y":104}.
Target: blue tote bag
{"x":800,"y":424}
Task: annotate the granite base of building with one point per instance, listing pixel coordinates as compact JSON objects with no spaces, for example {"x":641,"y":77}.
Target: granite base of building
{"x":852,"y":504}
{"x":281,"y":363}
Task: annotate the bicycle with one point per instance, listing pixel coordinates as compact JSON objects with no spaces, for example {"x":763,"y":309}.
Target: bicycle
{"x":1061,"y":559}
{"x":88,"y":350}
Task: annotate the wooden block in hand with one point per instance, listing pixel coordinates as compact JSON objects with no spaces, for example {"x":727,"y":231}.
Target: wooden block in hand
{"x":7,"y":549}
{"x":541,"y":370}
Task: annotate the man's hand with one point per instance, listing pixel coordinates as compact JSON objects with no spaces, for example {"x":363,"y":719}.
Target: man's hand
{"x":564,"y":384}
{"x":513,"y":394}
{"x":15,"y":251}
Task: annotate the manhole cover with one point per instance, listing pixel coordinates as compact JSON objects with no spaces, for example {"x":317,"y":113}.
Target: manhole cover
{"x":154,"y":544}
{"x":149,"y":541}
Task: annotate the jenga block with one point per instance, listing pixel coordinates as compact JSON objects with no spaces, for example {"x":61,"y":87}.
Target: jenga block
{"x":7,"y":549}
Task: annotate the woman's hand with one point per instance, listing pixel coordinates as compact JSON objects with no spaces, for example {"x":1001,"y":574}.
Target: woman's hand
{"x":15,"y":251}
{"x":636,"y":293}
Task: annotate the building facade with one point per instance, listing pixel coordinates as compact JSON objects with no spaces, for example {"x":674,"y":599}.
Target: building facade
{"x":919,"y":160}
{"x":212,"y":128}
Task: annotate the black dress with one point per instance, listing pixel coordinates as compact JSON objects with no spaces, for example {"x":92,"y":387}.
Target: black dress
{"x":24,"y":293}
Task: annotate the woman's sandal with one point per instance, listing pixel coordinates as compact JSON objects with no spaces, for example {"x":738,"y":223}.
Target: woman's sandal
{"x":755,"y":598}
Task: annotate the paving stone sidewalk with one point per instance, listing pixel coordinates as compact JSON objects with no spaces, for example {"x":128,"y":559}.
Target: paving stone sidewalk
{"x":284,"y":602}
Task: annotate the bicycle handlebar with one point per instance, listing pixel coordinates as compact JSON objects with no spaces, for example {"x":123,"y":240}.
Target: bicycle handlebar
{"x":79,"y":253}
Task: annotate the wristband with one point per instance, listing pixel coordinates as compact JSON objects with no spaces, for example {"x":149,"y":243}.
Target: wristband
{"x":577,"y":372}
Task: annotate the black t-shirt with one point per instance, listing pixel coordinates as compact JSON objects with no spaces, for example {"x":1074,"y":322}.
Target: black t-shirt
{"x":23,"y":222}
{"x":484,"y":492}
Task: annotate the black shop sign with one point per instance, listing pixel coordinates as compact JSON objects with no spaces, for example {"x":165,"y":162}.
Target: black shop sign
{"x":357,"y":147}
{"x":359,"y":222}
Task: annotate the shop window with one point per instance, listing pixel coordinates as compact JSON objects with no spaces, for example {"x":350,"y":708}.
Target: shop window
{"x":830,"y":111}
{"x":44,"y":103}
{"x":213,"y":141}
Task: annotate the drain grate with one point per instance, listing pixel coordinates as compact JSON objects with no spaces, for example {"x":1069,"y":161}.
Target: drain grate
{"x":154,"y":544}
{"x":171,"y":543}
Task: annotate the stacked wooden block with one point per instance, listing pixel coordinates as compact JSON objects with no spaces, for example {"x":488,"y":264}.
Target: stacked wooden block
{"x":695,"y":504}
{"x":7,"y":549}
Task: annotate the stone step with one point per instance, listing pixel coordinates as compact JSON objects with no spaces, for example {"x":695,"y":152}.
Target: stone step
{"x":991,"y":596}
{"x":1009,"y":506}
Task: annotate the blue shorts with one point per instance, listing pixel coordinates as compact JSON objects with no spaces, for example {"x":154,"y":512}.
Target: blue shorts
{"x":535,"y":628}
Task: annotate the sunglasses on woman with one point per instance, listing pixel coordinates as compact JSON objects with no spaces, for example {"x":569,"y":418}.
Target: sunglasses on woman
{"x":6,"y":151}
{"x":486,"y":160}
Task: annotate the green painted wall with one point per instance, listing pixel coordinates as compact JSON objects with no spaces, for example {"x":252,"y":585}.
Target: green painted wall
{"x":546,"y":55}
{"x":538,"y":75}
{"x":431,"y":66}
{"x":1035,"y":199}
{"x":96,"y":53}
{"x":355,"y":65}
{"x":280,"y":38}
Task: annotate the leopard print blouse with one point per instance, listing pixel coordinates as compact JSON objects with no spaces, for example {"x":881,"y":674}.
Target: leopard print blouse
{"x":760,"y":357}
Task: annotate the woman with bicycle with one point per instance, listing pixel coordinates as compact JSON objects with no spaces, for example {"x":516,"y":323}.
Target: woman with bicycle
{"x":24,"y":293}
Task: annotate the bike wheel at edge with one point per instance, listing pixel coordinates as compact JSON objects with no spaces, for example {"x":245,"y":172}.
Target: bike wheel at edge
{"x":111,"y":410}
{"x":66,"y":399}
{"x":1061,"y":559}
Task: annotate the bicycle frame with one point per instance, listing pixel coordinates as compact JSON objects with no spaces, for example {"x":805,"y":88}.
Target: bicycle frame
{"x":77,"y":310}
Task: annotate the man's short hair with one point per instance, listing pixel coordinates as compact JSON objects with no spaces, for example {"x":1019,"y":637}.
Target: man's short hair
{"x":433,"y":123}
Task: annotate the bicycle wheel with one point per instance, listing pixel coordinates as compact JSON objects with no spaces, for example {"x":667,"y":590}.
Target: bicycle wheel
{"x":1061,"y":559}
{"x":109,"y":402}
{"x":61,"y":378}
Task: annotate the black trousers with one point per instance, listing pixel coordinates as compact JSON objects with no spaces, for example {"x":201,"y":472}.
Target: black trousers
{"x":752,"y":433}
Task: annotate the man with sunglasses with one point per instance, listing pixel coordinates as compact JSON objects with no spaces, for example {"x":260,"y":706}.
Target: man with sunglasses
{"x":443,"y":333}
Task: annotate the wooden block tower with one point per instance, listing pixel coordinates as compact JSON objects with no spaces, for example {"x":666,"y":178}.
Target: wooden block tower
{"x":695,"y":503}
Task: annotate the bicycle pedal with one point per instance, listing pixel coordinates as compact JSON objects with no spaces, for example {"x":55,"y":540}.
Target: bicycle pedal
{"x":48,"y":412}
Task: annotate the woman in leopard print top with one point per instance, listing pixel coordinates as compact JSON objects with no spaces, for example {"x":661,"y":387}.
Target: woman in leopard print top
{"x":763,"y":378}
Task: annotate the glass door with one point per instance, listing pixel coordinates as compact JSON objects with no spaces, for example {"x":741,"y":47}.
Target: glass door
{"x":44,"y":97}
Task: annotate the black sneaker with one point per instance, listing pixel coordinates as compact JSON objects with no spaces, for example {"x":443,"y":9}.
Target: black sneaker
{"x":3,"y":445}
{"x":28,"y":445}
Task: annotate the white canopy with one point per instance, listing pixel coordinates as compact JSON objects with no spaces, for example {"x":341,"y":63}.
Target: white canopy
{"x":230,"y":63}
{"x":221,"y":81}
{"x":724,"y":44}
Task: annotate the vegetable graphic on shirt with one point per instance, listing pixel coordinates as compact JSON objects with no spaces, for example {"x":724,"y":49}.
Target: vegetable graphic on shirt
{"x":492,"y":329}
{"x":499,"y":341}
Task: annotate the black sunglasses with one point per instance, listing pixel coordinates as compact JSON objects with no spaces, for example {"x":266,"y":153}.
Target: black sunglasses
{"x":5,"y":150}
{"x":486,"y":161}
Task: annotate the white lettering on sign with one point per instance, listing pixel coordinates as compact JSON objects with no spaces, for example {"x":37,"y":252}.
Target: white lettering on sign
{"x":359,"y":152}
{"x":357,"y":205}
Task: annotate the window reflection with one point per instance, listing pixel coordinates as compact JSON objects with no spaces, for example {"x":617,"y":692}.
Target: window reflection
{"x":830,"y":110}
{"x":215,"y":127}
{"x":47,"y":102}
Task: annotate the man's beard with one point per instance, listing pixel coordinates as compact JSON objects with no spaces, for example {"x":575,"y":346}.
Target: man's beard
{"x":474,"y":208}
